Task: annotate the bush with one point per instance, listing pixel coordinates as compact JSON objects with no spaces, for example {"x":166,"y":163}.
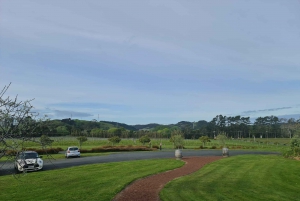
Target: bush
{"x":84,"y":151}
{"x":120,"y":148}
{"x":213,"y":147}
{"x":39,"y":151}
{"x":114,"y":140}
{"x":11,"y":153}
{"x":155,"y":146}
{"x":144,"y":139}
{"x":47,"y":151}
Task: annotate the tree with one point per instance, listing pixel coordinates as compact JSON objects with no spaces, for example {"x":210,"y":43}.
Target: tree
{"x":18,"y":123}
{"x":81,"y":140}
{"x":45,"y":141}
{"x":204,"y":139}
{"x":165,"y":133}
{"x":114,"y":140}
{"x":177,"y":139}
{"x":144,"y":139}
{"x":222,"y":139}
{"x":116,"y":131}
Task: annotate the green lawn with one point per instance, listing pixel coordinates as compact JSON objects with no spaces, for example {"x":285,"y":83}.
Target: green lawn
{"x":88,"y":182}
{"x":251,"y":177}
{"x":246,"y":143}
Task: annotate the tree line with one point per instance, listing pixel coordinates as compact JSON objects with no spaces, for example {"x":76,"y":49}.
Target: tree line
{"x":231,"y":126}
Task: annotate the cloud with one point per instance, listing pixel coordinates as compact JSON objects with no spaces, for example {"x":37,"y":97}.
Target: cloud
{"x":265,"y":110}
{"x":68,"y":114}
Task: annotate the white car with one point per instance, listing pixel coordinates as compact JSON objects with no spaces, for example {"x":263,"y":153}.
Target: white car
{"x":72,"y":152}
{"x":28,"y":161}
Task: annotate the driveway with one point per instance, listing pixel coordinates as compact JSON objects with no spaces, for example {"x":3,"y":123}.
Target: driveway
{"x":51,"y":164}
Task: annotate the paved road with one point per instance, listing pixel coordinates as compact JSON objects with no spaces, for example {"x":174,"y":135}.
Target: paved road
{"x":50,"y":164}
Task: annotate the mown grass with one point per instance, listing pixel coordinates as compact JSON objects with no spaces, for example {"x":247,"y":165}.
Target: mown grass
{"x":251,"y":177}
{"x":246,"y":143}
{"x":88,"y":182}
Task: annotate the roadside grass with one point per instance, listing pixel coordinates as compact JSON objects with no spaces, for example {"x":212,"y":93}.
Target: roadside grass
{"x":87,"y":182}
{"x":247,"y":177}
{"x":249,"y":143}
{"x":271,"y":144}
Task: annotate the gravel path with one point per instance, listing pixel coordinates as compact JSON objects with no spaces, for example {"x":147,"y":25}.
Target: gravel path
{"x":147,"y":189}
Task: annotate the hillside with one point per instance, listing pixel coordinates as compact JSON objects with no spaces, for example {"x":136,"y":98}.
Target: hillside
{"x":146,"y":126}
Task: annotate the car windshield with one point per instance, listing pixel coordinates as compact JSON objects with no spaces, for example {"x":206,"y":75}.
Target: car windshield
{"x":30,"y":155}
{"x":73,"y":149}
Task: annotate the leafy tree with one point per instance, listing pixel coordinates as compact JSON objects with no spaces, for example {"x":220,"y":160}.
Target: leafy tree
{"x":165,"y":132}
{"x":114,"y":140}
{"x":222,"y":139}
{"x":81,"y":140}
{"x":177,"y":138}
{"x":62,"y":130}
{"x":46,"y":141}
{"x":144,"y":139}
{"x":178,"y":141}
{"x":204,"y":139}
{"x":116,"y":131}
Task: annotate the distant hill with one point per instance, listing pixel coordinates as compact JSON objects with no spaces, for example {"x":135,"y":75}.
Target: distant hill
{"x":146,"y":126}
{"x":66,"y":125}
{"x":195,"y":125}
{"x":117,"y":124}
{"x":181,"y":124}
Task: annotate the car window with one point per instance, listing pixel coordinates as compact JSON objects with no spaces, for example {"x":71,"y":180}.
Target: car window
{"x":31,"y":155}
{"x":73,"y":148}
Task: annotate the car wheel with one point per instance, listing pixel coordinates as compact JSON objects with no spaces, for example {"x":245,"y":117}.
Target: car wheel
{"x":17,"y":170}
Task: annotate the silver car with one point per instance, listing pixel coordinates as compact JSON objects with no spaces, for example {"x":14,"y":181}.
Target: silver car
{"x":28,"y":161}
{"x":72,"y":152}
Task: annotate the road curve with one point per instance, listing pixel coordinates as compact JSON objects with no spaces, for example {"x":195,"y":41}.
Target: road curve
{"x":51,"y":164}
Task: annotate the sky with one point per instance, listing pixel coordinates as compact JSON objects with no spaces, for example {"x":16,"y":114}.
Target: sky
{"x":164,"y":61}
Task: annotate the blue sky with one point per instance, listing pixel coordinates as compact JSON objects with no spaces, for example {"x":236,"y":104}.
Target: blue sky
{"x":139,"y":62}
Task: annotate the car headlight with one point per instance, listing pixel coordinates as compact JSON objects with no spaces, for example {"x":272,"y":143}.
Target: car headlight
{"x":21,"y":163}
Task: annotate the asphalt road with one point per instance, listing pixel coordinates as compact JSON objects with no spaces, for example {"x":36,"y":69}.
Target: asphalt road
{"x":51,"y":164}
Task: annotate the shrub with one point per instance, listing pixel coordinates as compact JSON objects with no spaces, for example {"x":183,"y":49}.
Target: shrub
{"x":81,"y":140}
{"x":11,"y":153}
{"x":144,"y":139}
{"x":213,"y":147}
{"x":155,"y":146}
{"x":85,"y":151}
{"x":47,"y":151}
{"x":39,"y":151}
{"x":204,"y":139}
{"x":177,"y":140}
{"x":114,"y":140}
{"x":294,"y":149}
{"x":120,"y":148}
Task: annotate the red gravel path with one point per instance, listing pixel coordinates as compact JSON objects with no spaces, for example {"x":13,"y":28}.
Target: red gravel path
{"x":147,"y":189}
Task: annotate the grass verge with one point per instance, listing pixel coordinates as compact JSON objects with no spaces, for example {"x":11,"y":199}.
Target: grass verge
{"x":251,"y":177}
{"x":88,"y":182}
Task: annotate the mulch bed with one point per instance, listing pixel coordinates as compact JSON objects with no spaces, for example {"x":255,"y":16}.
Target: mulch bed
{"x":147,"y":189}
